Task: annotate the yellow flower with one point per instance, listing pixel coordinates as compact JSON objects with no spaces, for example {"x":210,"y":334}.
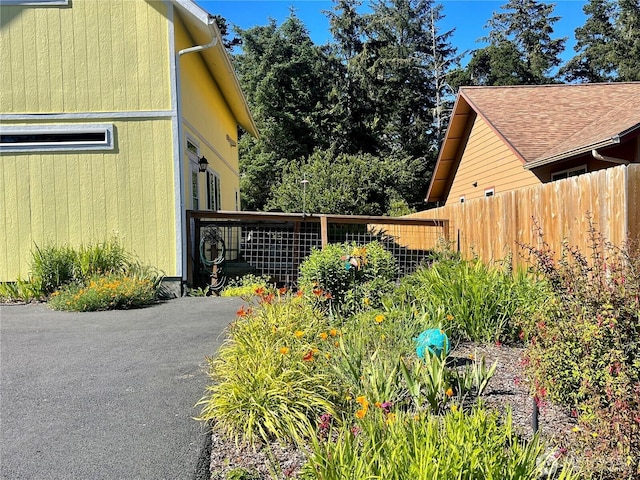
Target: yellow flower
{"x":337,"y":344}
{"x":333,"y":332}
{"x":575,"y":429}
{"x":327,"y":356}
{"x":594,"y":434}
{"x":454,"y":408}
{"x":348,"y":398}
{"x":379,"y":318}
{"x":383,"y":337}
{"x":449,"y":392}
{"x":366,"y":301}
{"x":284,"y":350}
{"x":449,"y":317}
{"x":391,"y":418}
{"x":324,"y":335}
{"x":299,"y":333}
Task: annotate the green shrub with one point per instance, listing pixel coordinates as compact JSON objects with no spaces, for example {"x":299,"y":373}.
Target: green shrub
{"x":353,"y":275}
{"x":584,"y":352}
{"x":246,"y":286}
{"x":105,"y":292}
{"x":397,"y":445}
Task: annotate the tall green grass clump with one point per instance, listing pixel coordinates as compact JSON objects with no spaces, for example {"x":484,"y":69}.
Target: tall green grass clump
{"x":270,"y":378}
{"x":475,"y":301}
{"x":399,"y":445}
{"x":54,"y":266}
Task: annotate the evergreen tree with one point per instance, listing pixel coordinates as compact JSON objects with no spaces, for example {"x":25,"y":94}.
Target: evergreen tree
{"x":595,"y":61}
{"x":281,"y":73}
{"x":627,"y":43}
{"x":352,"y":111}
{"x":608,"y":44}
{"x":521,"y":49}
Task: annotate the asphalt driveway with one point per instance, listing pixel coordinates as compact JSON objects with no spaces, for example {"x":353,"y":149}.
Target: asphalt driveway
{"x":106,"y":395}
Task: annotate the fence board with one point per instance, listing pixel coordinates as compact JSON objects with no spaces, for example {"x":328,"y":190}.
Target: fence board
{"x":491,"y":227}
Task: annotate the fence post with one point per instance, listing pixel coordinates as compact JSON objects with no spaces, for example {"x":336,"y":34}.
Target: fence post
{"x":324,"y":230}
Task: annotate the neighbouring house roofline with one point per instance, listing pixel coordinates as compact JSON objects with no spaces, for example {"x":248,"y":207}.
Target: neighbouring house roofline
{"x":608,"y":119}
{"x":200,"y":25}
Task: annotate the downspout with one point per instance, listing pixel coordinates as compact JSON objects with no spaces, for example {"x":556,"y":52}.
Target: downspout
{"x":598,"y":156}
{"x":183,"y":210}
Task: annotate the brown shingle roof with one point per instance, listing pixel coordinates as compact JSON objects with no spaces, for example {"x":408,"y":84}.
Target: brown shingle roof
{"x":541,"y":124}
{"x":548,"y":121}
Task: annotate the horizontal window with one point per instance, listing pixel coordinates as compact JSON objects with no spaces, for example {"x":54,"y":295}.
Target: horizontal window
{"x":570,"y":172}
{"x":36,"y":3}
{"x":44,"y":138}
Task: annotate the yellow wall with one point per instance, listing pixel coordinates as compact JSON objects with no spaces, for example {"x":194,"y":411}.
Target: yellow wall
{"x":93,"y":56}
{"x":488,"y":161}
{"x":208,"y":120}
{"x":87,"y":197}
{"x":88,"y":59}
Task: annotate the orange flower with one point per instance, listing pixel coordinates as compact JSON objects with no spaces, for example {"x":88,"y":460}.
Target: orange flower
{"x":282,"y":290}
{"x":362,"y":400}
{"x":284,"y":350}
{"x":308,"y":357}
{"x":324,"y":336}
{"x":361,"y":413}
{"x":317,"y":292}
{"x":299,"y":293}
{"x":449,"y":392}
{"x":242,"y":312}
{"x":333,"y":332}
{"x":259,"y":291}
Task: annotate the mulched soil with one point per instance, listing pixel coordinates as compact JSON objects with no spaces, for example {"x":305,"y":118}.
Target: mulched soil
{"x":505,"y":389}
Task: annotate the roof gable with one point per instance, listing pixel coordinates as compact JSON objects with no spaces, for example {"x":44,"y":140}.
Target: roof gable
{"x":541,"y":124}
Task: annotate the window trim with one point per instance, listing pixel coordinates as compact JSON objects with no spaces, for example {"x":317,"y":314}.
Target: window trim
{"x":192,"y":158}
{"x":49,"y":146}
{"x":554,"y":175}
{"x":214,"y":195}
{"x":37,"y":3}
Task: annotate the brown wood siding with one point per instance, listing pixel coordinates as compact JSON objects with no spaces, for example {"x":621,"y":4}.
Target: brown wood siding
{"x":491,"y":227}
{"x":489,"y":162}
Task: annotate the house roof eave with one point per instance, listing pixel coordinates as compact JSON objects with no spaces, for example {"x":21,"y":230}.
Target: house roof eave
{"x":201,"y":25}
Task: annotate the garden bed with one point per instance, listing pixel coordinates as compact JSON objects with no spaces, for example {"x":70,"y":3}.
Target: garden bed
{"x":506,"y":389}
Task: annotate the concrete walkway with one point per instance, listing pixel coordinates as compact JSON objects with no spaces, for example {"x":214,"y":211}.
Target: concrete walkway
{"x":106,"y":395}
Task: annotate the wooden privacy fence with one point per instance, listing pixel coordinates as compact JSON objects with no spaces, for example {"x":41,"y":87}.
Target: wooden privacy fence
{"x":491,"y":227}
{"x":221,"y":245}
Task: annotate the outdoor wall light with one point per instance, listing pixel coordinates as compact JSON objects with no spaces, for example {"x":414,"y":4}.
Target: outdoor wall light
{"x":203,"y":163}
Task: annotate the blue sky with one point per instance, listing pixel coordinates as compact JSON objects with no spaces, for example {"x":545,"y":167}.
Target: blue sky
{"x":468,"y":17}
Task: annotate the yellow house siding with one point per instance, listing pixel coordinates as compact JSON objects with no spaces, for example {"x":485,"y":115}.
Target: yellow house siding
{"x":489,"y":162}
{"x":86,"y":197}
{"x":94,"y":56}
{"x":208,"y":119}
